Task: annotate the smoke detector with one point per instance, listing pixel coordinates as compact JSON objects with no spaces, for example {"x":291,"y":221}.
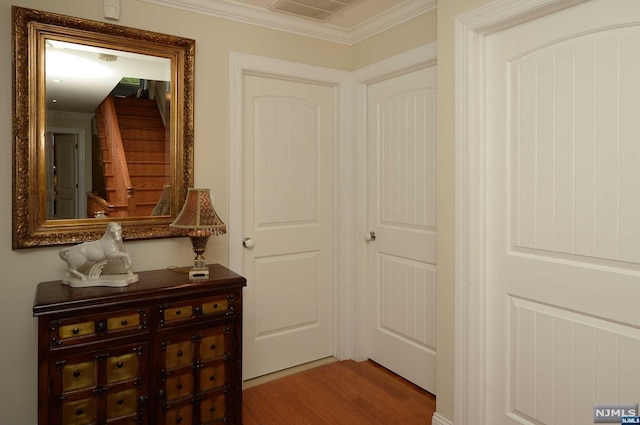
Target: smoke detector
{"x":107,"y":57}
{"x":317,"y":10}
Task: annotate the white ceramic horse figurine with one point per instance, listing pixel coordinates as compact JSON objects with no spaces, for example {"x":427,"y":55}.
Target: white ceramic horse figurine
{"x":98,"y":252}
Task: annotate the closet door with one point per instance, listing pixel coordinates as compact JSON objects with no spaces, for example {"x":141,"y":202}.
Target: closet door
{"x":402,"y":225}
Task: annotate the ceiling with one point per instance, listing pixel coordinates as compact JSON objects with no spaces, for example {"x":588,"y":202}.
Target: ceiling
{"x":341,"y":21}
{"x":80,"y":77}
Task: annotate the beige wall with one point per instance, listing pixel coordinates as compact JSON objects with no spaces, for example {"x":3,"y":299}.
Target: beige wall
{"x":448,"y":10}
{"x":413,"y":33}
{"x":215,"y":38}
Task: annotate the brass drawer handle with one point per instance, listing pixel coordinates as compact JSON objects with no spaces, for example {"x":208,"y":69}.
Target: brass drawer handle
{"x":75,"y":331}
{"x":120,"y":365}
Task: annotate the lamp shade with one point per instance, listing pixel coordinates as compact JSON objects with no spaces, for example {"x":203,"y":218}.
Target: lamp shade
{"x":198,"y":215}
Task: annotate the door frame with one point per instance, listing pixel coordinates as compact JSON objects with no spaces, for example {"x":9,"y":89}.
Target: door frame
{"x":470,"y":32}
{"x":241,"y":64}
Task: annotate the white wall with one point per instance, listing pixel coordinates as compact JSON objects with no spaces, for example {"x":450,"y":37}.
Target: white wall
{"x":215,"y":38}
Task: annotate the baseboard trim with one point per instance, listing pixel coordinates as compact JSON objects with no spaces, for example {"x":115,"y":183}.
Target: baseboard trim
{"x":286,"y":372}
{"x":439,"y":420}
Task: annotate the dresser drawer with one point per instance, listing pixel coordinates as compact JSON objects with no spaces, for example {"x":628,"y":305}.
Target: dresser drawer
{"x":179,"y":386}
{"x":79,"y":412}
{"x":177,"y":415}
{"x":76,"y":329}
{"x":213,"y":345}
{"x":77,"y":376}
{"x":82,"y":329}
{"x":178,"y":354}
{"x":217,"y":305}
{"x":213,"y":409}
{"x":127,"y":320}
{"x":122,"y":368}
{"x":212,"y":376}
{"x":122,"y":403}
{"x":178,"y":313}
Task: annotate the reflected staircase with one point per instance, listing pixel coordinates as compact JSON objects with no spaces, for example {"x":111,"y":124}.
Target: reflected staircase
{"x":135,"y":158}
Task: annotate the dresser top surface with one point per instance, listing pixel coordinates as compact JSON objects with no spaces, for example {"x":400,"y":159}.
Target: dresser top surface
{"x":54,"y":296}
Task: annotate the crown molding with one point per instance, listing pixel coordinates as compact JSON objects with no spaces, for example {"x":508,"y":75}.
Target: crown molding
{"x":252,"y":15}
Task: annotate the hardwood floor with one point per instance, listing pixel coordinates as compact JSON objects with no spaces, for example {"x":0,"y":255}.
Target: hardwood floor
{"x":341,"y":393}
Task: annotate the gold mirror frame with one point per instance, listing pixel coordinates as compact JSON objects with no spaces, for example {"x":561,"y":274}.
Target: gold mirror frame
{"x":31,"y":228}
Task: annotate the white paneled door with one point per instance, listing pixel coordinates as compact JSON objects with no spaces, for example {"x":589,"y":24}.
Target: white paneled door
{"x":401,"y":215}
{"x":289,"y":142}
{"x":563,"y":215}
{"x":66,"y":175}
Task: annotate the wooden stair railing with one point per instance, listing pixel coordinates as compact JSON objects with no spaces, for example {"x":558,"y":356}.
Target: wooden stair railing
{"x":122,"y":196}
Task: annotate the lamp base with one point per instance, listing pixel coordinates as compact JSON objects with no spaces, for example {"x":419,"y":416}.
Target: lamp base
{"x":199,"y":269}
{"x":197,"y":273}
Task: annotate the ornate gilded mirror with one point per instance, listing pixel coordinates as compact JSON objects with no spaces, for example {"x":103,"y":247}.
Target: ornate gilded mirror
{"x":102,"y":127}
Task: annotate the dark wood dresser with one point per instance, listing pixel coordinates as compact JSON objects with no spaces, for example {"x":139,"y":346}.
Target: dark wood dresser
{"x":164,"y":350}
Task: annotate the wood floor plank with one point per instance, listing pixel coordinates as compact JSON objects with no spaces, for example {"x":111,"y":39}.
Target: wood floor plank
{"x":341,"y":393}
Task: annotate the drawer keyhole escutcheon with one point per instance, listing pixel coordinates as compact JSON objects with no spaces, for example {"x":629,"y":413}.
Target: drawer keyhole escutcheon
{"x":76,"y":373}
{"x":179,"y":353}
{"x":120,"y":401}
{"x":179,"y":386}
{"x":178,"y":312}
{"x":120,"y":365}
{"x":75,"y":331}
{"x":79,"y":411}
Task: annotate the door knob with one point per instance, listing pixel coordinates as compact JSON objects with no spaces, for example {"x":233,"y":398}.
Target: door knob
{"x":371,"y":236}
{"x":247,"y":243}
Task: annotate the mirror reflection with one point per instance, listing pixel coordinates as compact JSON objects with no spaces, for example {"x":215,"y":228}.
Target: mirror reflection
{"x":107,"y":141}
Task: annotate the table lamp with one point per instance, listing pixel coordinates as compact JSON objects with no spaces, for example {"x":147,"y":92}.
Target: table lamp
{"x":198,"y":220}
